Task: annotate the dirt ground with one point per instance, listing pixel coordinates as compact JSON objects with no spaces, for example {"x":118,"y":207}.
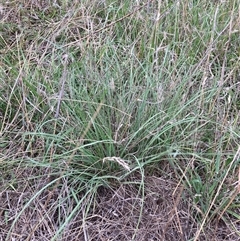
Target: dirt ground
{"x":160,"y":209}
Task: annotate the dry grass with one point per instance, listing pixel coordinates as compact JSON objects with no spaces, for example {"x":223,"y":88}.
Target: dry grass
{"x":159,"y":210}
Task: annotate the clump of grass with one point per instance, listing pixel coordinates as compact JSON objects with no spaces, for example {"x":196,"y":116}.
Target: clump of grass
{"x":95,"y":93}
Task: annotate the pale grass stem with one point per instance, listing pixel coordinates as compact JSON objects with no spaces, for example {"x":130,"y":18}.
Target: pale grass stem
{"x":119,"y":160}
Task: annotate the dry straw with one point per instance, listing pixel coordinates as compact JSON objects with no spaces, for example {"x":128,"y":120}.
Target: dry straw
{"x":119,"y":160}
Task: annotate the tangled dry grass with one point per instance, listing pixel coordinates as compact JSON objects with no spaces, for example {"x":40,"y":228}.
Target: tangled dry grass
{"x":161,"y":209}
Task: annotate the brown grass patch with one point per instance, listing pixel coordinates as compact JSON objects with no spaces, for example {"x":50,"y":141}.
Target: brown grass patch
{"x":159,"y":210}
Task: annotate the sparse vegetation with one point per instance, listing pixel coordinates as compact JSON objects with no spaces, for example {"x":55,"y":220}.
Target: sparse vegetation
{"x":119,"y":120}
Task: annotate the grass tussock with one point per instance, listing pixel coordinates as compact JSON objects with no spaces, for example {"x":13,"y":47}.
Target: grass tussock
{"x":119,"y":120}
